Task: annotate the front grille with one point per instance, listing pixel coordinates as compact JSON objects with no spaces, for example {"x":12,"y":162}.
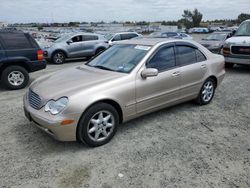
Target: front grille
{"x":34,"y":100}
{"x":242,"y":50}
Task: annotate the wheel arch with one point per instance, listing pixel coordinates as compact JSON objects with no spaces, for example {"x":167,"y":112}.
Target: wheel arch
{"x":215,"y":80}
{"x":111,"y":102}
{"x":59,"y":50}
{"x":18,"y":63}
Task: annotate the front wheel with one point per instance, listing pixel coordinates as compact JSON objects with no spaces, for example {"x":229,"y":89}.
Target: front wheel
{"x":207,"y":92}
{"x":15,"y":77}
{"x":98,"y":125}
{"x":58,"y":58}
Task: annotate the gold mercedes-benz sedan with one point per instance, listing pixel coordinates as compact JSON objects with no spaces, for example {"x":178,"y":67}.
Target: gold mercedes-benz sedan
{"x":130,"y":79}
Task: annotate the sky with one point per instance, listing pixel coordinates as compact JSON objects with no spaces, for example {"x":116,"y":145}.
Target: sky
{"x":47,"y":11}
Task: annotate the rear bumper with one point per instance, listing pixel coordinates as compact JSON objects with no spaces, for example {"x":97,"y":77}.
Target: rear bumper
{"x":37,"y":65}
{"x":238,"y":60}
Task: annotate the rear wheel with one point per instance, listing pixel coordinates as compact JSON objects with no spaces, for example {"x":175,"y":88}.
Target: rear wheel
{"x":207,"y":92}
{"x":15,"y":77}
{"x":98,"y":125}
{"x":58,"y":58}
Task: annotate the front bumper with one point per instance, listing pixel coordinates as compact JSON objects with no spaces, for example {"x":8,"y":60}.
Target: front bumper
{"x":51,"y":124}
{"x":238,"y":59}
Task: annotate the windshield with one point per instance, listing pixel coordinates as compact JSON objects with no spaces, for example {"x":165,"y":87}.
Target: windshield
{"x":244,"y":29}
{"x":216,"y":36}
{"x":62,"y":38}
{"x":109,"y":36}
{"x":120,"y":58}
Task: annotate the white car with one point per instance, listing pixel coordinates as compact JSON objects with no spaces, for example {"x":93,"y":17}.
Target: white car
{"x":237,"y":48}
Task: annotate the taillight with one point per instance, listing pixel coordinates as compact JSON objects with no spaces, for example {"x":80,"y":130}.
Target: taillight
{"x":39,"y":55}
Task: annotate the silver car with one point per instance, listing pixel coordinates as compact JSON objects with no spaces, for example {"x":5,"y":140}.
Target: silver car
{"x":75,"y":46}
{"x":113,"y":37}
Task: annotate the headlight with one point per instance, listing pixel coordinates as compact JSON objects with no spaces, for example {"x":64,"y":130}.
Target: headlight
{"x":55,"y":107}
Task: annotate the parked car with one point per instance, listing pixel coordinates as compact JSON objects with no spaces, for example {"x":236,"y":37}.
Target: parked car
{"x":165,"y":34}
{"x":215,"y":41}
{"x":198,"y":30}
{"x":129,"y":79}
{"x":75,"y":46}
{"x":237,"y":49}
{"x":171,"y":35}
{"x":19,"y":55}
{"x":112,"y":37}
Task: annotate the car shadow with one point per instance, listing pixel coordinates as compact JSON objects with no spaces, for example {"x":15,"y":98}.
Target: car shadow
{"x":239,"y":69}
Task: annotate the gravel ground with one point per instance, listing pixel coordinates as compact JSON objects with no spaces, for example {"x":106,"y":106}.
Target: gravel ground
{"x":183,"y":146}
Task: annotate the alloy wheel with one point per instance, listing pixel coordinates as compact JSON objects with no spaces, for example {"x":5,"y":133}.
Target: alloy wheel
{"x":16,"y":78}
{"x":207,"y":91}
{"x":100,"y":126}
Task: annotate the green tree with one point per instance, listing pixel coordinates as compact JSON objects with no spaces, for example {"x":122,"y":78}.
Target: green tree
{"x":187,"y":19}
{"x":39,"y":27}
{"x":242,"y":17}
{"x":196,"y":18}
{"x":191,"y":19}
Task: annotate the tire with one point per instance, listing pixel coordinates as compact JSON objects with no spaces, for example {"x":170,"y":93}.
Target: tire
{"x":58,"y":57}
{"x":207,"y":92}
{"x":15,"y":77}
{"x":95,"y":129}
{"x":99,"y":51}
{"x":229,"y":65}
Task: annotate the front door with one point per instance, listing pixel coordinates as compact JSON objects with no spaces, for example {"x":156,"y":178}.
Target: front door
{"x":75,"y":48}
{"x":159,"y":91}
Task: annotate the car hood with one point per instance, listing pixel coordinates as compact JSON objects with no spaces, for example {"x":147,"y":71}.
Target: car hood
{"x":207,"y":43}
{"x":239,"y":40}
{"x":70,"y":81}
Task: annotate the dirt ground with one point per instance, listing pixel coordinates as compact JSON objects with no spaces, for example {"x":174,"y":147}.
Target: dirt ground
{"x":183,"y":146}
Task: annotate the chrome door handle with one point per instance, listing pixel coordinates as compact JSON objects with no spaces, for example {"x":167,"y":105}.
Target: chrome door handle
{"x":176,"y":74}
{"x":204,"y":66}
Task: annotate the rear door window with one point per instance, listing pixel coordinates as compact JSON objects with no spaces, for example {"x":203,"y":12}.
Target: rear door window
{"x":200,"y":56}
{"x":128,"y":36}
{"x":186,"y":55}
{"x":89,"y":37}
{"x":13,"y":41}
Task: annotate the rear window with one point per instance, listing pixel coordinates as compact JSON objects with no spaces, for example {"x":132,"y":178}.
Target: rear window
{"x":14,"y":41}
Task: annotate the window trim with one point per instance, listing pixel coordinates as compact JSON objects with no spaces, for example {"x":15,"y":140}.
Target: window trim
{"x":168,"y":45}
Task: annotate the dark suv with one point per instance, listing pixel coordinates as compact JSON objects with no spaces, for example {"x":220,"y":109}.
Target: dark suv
{"x":19,"y":55}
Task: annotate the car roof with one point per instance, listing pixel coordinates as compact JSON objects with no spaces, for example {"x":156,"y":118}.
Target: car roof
{"x":125,"y":32}
{"x":148,"y":41}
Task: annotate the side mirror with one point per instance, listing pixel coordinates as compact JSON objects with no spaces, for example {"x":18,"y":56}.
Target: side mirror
{"x":69,"y":42}
{"x":150,"y":72}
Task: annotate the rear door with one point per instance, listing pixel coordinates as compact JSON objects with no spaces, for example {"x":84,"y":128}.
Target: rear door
{"x":2,"y":53}
{"x":89,"y":42}
{"x":193,"y":68}
{"x":159,"y":91}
